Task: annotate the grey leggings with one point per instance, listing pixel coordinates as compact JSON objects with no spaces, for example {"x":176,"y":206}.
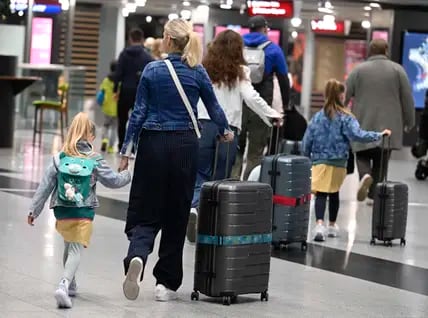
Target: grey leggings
{"x":71,"y":259}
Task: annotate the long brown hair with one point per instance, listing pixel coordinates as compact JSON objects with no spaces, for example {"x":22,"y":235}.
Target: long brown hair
{"x":333,"y":104}
{"x":225,"y":58}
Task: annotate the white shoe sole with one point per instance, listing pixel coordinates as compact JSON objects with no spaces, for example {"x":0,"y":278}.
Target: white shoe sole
{"x":131,"y":287}
{"x":365,"y":185}
{"x":62,"y":299}
{"x":169,"y":297}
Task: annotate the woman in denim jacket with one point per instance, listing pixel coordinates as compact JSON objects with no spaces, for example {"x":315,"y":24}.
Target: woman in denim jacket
{"x":167,"y":159}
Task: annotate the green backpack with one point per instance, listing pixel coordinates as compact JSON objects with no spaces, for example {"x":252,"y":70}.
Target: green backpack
{"x":74,"y":179}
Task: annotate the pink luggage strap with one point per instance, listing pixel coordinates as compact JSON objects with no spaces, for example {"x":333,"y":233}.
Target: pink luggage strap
{"x":290,"y":201}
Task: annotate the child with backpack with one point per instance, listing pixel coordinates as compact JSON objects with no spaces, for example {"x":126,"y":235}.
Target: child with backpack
{"x":108,"y":103}
{"x":327,"y":143}
{"x":71,"y":179}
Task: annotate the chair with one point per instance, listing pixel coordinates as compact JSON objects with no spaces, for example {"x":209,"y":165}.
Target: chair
{"x":60,"y":106}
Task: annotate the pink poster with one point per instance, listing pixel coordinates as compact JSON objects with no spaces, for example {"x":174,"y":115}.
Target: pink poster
{"x":355,"y":53}
{"x":273,"y":35}
{"x":41,"y":41}
{"x":380,"y":34}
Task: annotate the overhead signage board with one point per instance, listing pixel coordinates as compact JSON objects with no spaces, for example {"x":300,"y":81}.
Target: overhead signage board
{"x":275,"y":9}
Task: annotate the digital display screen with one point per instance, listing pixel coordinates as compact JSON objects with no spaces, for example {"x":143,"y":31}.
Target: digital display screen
{"x":273,"y":35}
{"x":415,"y":62}
{"x":41,"y":41}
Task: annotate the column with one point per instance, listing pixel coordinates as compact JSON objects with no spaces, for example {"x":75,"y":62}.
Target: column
{"x":308,"y":66}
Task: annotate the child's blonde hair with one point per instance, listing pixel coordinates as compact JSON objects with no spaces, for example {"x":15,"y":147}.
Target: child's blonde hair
{"x":81,"y":128}
{"x":333,"y":104}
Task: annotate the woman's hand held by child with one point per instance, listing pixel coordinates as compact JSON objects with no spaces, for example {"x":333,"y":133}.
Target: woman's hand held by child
{"x":123,"y":165}
{"x":227,"y":137}
{"x":386,"y":132}
{"x":30,"y":220}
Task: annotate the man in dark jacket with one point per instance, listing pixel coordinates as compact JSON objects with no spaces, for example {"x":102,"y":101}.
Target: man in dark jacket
{"x":132,"y":61}
{"x":275,"y":64}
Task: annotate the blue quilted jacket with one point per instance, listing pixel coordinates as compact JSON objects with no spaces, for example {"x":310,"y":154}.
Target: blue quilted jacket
{"x":328,"y":140}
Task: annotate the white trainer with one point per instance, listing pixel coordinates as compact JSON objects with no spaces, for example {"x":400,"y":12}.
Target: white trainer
{"x":333,"y":230}
{"x":319,"y":233}
{"x":131,"y":285}
{"x":164,"y":294}
{"x":369,"y":202}
{"x":363,"y":190}
{"x":63,"y":300}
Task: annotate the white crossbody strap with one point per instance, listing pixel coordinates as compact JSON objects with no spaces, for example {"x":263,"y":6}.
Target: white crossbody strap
{"x":183,"y":97}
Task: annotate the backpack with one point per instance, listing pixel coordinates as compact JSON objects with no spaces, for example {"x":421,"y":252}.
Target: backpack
{"x":255,"y":57}
{"x":74,"y":179}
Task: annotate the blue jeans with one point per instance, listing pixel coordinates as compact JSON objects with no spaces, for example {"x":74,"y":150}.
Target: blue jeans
{"x":207,"y":148}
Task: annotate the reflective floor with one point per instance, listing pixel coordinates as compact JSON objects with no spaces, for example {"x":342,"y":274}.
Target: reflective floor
{"x":344,"y":277}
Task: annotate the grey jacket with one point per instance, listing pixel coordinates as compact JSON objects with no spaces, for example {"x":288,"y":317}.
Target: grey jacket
{"x":382,"y":99}
{"x":102,"y":173}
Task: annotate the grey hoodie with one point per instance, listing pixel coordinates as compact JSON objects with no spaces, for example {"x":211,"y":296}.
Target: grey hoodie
{"x":102,"y":172}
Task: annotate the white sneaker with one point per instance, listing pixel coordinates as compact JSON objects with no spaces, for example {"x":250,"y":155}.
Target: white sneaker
{"x":131,"y":285}
{"x":319,"y":233}
{"x":333,"y":230}
{"x":192,"y":225}
{"x":363,"y":190}
{"x":61,"y":295}
{"x":369,"y":202}
{"x":72,"y":289}
{"x":164,"y":294}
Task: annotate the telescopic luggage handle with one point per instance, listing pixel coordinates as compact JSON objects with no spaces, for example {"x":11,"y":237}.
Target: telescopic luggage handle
{"x":383,"y":164}
{"x":276,"y":141}
{"x":215,"y":165}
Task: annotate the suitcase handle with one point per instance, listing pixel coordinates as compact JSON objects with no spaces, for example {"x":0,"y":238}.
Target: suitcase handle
{"x":384,"y":167}
{"x":276,"y":141}
{"x":215,"y":164}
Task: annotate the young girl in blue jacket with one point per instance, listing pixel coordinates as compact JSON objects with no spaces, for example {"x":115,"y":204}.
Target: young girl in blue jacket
{"x":327,"y":143}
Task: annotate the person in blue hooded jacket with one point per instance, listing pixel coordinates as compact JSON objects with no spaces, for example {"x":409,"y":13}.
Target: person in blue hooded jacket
{"x":274,"y":65}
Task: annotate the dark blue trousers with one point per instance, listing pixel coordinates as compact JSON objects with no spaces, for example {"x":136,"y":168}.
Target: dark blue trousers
{"x":160,"y":200}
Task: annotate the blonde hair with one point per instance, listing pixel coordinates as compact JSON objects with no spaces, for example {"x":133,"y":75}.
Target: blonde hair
{"x":81,"y":128}
{"x":333,"y":104}
{"x":185,"y":40}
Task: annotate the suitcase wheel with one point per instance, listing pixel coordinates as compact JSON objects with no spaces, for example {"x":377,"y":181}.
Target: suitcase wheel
{"x":264,"y":296}
{"x":304,"y":246}
{"x":227,"y":300}
{"x":373,"y":242}
{"x":194,"y":295}
{"x":387,"y":243}
{"x":403,"y":242}
{"x":421,"y":173}
{"x":276,"y":246}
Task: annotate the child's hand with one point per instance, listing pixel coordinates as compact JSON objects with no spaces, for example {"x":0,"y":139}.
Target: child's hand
{"x":30,"y":219}
{"x":386,"y":132}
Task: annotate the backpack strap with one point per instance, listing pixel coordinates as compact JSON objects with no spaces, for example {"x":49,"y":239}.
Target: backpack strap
{"x":264,"y":45}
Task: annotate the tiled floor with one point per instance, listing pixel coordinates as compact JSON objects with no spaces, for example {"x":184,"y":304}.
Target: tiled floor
{"x":348,"y":278}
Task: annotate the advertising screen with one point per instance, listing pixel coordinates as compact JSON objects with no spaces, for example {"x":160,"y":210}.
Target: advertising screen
{"x":380,"y":34}
{"x":415,"y":62}
{"x":41,"y":41}
{"x":273,"y":35}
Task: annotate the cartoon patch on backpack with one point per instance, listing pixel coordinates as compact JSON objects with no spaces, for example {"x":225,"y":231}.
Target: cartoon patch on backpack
{"x":74,"y":179}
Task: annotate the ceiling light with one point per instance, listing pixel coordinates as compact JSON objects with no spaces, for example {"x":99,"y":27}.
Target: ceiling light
{"x":375,"y":5}
{"x":294,"y":34}
{"x":325,"y":10}
{"x":132,"y":7}
{"x":140,"y":3}
{"x":125,"y":12}
{"x":21,"y":13}
{"x":328,"y":5}
{"x":368,"y":8}
{"x":296,"y":22}
{"x":367,"y":14}
{"x":366,"y":24}
{"x":225,"y":6}
{"x":172,"y":16}
{"x":149,"y":19}
{"x":186,"y":3}
{"x":186,"y":14}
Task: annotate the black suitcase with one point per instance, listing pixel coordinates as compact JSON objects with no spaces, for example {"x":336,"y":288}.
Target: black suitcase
{"x":234,"y":238}
{"x":290,"y":179}
{"x":390,"y":207}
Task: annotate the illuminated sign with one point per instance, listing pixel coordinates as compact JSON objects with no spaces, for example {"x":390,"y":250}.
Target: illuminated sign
{"x":41,"y":41}
{"x":278,"y":9}
{"x":328,"y":27}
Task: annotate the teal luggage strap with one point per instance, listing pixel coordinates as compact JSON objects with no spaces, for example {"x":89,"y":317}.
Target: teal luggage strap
{"x":234,"y":239}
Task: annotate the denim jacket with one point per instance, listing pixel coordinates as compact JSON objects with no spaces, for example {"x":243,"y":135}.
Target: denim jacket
{"x":158,"y":105}
{"x":102,"y":173}
{"x":328,"y":140}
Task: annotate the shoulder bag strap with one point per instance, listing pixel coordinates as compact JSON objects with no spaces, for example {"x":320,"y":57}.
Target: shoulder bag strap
{"x":183,"y":96}
{"x":264,"y":45}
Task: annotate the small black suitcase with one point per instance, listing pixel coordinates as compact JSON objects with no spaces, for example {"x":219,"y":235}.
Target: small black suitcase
{"x":234,"y":238}
{"x":290,"y":179}
{"x":390,"y":207}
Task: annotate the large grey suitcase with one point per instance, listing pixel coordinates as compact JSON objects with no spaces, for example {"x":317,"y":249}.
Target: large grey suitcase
{"x":290,"y":178}
{"x":234,"y":237}
{"x":390,"y":207}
